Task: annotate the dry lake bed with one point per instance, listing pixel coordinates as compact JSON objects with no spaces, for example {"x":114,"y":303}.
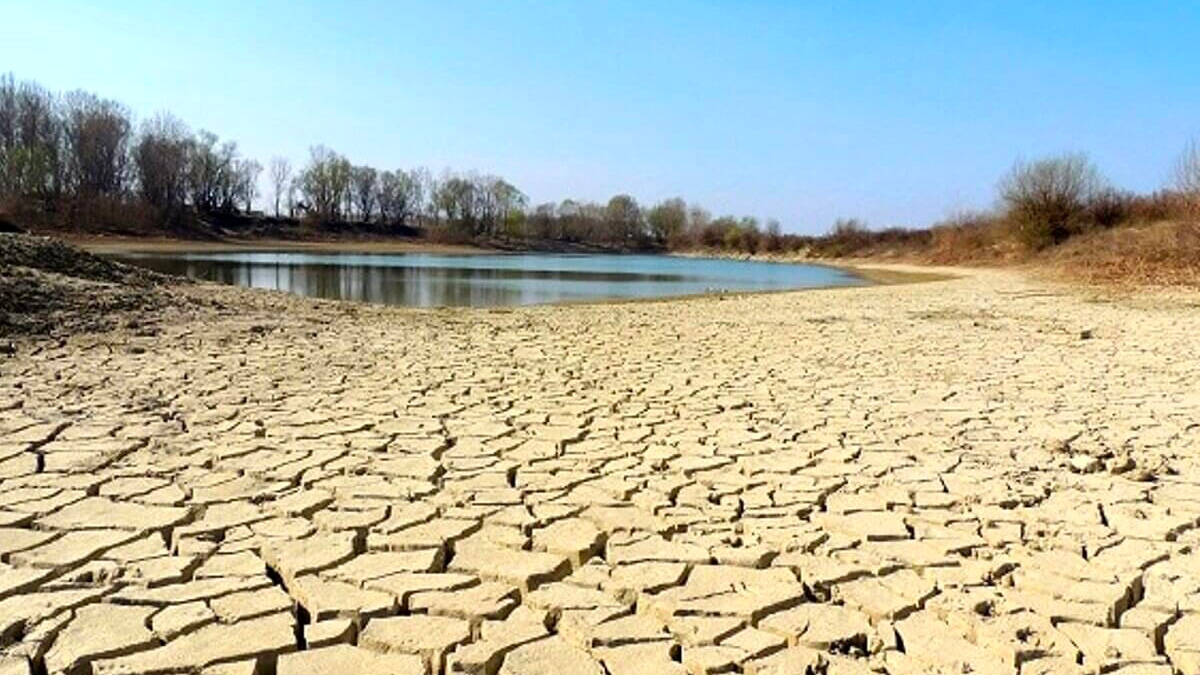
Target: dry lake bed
{"x":987,"y":474}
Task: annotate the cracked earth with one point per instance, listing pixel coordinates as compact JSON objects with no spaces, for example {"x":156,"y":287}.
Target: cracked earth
{"x":981,"y":475}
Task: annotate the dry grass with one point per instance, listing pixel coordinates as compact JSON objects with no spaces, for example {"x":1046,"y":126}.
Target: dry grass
{"x":1164,"y":253}
{"x":1125,"y":241}
{"x":1114,"y":238}
{"x":969,"y":238}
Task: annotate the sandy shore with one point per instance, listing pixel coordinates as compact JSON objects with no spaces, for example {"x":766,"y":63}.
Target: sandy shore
{"x":979,"y":474}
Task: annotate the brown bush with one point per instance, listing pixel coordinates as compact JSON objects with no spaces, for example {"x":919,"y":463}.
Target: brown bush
{"x":447,"y":233}
{"x":853,"y":238}
{"x":101,"y":213}
{"x":1106,"y":209}
{"x":1187,"y":180}
{"x":1154,"y":207}
{"x":1046,"y":201}
{"x":966,"y":237}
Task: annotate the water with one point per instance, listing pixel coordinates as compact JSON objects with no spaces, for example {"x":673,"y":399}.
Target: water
{"x":429,"y":280}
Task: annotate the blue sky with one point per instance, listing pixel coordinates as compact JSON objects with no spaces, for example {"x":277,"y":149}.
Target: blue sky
{"x":897,"y":112}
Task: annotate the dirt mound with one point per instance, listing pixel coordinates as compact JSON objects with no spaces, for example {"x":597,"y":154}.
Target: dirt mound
{"x":49,"y":287}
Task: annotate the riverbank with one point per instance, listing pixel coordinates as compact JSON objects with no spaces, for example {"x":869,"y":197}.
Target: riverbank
{"x":105,"y":244}
{"x":1137,"y":255}
{"x":880,"y":272}
{"x":871,"y":271}
{"x":837,"y":478}
{"x":1159,"y":255}
{"x":328,"y":243}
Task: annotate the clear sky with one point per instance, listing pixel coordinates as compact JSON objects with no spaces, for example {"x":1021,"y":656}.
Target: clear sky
{"x":897,"y":112}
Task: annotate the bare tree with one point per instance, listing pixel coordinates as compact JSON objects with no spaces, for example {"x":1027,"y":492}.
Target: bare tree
{"x":698,"y":219}
{"x":542,"y":221}
{"x":750,"y":234}
{"x":210,"y":171}
{"x":1046,"y":199}
{"x":426,"y":186}
{"x":31,"y":163}
{"x":97,"y":135}
{"x":364,"y":186}
{"x":401,"y":194}
{"x":246,"y":173}
{"x":508,"y":205}
{"x":570,"y":220}
{"x":623,"y":219}
{"x":455,"y":197}
{"x":279,"y":173}
{"x":325,"y":183}
{"x":160,"y":160}
{"x":230,"y":177}
{"x":667,"y":219}
{"x":773,"y":239}
{"x":498,"y":202}
{"x":293,"y":189}
{"x":1187,"y":177}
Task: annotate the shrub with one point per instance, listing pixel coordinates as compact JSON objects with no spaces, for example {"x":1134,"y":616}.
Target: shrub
{"x":1046,"y":201}
{"x":1187,"y":179}
{"x":733,"y":238}
{"x":852,"y":237}
{"x":1161,"y":205}
{"x":1108,"y":208}
{"x":964,"y":237}
{"x":847,"y":236}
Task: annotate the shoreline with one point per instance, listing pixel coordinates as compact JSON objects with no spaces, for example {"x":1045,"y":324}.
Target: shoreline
{"x":878,"y":272}
{"x":874,"y":273}
{"x":868,"y":273}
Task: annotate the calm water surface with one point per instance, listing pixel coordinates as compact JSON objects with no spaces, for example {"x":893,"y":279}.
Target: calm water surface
{"x":429,"y":280}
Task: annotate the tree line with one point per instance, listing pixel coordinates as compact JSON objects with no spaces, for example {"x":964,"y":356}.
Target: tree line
{"x":77,"y":156}
{"x":80,"y":161}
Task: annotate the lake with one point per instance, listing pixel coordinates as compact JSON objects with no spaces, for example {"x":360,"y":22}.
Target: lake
{"x":486,"y":280}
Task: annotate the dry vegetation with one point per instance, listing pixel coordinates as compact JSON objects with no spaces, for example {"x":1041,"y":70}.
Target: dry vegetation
{"x":1058,"y":213}
{"x":1161,"y":253}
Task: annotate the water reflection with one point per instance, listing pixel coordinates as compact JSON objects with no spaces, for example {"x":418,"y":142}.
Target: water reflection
{"x":425,"y":280}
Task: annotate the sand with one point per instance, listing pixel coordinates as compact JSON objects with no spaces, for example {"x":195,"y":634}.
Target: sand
{"x":981,"y":474}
